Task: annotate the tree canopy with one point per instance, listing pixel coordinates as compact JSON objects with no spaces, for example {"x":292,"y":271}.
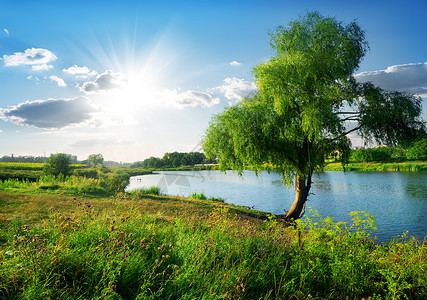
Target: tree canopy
{"x":57,"y":164}
{"x":96,"y":159}
{"x":307,"y":104}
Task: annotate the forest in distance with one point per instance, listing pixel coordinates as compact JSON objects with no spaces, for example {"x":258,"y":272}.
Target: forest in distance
{"x":384,"y":154}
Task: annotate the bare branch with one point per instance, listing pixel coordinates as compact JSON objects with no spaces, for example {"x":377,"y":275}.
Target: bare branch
{"x":352,"y":130}
{"x":351,"y":119}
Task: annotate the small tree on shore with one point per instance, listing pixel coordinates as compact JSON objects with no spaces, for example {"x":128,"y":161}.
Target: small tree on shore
{"x":57,"y":164}
{"x":96,"y":159}
{"x":307,"y":104}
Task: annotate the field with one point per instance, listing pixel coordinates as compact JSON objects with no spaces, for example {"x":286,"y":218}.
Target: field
{"x":57,"y":242}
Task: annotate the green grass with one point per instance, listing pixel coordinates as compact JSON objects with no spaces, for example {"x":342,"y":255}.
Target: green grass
{"x":199,"y":196}
{"x":107,"y":185}
{"x":135,"y":246}
{"x":375,"y":166}
{"x":152,"y":190}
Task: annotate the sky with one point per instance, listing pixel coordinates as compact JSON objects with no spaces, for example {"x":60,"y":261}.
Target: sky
{"x":134,"y":79}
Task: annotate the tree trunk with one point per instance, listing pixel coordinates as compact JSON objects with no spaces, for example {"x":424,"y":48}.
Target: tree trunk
{"x":302,"y":188}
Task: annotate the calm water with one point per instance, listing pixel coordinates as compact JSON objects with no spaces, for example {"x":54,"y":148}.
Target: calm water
{"x":398,"y":200}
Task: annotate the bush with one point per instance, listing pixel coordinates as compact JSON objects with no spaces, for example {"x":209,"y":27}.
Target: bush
{"x":59,"y":163}
{"x":152,"y":190}
{"x":199,"y":196}
{"x":88,"y":173}
{"x":418,"y":151}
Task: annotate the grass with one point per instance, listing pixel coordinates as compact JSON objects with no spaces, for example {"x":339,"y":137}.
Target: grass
{"x":144,"y":246}
{"x":105,"y":185}
{"x":152,"y":190}
{"x":376,"y":166}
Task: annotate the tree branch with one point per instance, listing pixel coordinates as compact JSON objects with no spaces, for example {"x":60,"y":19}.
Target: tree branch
{"x":351,"y":119}
{"x":351,"y":130}
{"x":345,"y":133}
{"x":348,"y":113}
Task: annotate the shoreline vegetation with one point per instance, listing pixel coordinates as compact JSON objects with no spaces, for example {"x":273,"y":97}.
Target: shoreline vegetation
{"x":413,"y":166}
{"x":82,"y":236}
{"x":56,"y":242}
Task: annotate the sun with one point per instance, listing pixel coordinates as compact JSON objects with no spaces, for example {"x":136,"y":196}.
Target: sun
{"x":141,"y":69}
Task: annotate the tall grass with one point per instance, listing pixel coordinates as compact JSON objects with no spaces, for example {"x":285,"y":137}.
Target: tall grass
{"x":125,"y":252}
{"x":152,"y":190}
{"x":107,"y":185}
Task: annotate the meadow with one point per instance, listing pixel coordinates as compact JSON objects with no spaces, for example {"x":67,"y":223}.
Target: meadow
{"x":84,"y":238}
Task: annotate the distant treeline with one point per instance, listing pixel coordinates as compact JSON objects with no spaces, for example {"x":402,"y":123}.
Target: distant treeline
{"x":418,"y":152}
{"x":173,"y":160}
{"x":22,"y":159}
{"x":32,"y":159}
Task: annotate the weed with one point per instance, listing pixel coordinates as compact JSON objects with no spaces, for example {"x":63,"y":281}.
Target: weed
{"x":199,"y":196}
{"x":173,"y":248}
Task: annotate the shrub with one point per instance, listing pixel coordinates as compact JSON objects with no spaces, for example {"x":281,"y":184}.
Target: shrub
{"x":59,"y":163}
{"x":152,"y":190}
{"x":418,"y":151}
{"x":199,"y":196}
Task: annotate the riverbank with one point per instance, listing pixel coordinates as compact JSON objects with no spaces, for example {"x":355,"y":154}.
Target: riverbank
{"x":416,"y":166}
{"x":155,"y":247}
{"x":408,"y":166}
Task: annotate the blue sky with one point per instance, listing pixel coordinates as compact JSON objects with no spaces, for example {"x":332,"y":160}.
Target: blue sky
{"x":133,"y":79}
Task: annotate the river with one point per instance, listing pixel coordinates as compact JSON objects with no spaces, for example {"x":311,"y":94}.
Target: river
{"x":398,"y":200}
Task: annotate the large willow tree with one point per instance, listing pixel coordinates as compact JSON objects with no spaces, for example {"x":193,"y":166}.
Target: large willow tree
{"x":307,"y":104}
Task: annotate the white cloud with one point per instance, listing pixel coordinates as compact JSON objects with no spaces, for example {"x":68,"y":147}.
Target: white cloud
{"x":104,"y":82}
{"x":189,"y":98}
{"x":50,"y":114}
{"x":58,"y":80}
{"x":42,"y":67}
{"x":235,"y":63}
{"x":83,"y":72}
{"x":33,"y":56}
{"x":411,"y":78}
{"x":235,"y":88}
{"x":1,"y":131}
{"x":6,"y":32}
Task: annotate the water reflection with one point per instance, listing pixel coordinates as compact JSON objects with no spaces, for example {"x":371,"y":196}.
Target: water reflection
{"x":398,"y":200}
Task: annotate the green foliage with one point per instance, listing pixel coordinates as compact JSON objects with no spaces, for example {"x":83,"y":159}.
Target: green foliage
{"x":389,"y":117}
{"x":21,"y":166}
{"x":293,"y":123}
{"x":30,"y":175}
{"x":96,"y":159}
{"x":199,"y":196}
{"x":107,"y":185}
{"x":297,"y":119}
{"x":173,"y":160}
{"x":306,"y":96}
{"x":57,"y":164}
{"x":379,"y":154}
{"x":88,"y":173}
{"x":418,"y":151}
{"x":152,"y":190}
{"x":122,"y":252}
